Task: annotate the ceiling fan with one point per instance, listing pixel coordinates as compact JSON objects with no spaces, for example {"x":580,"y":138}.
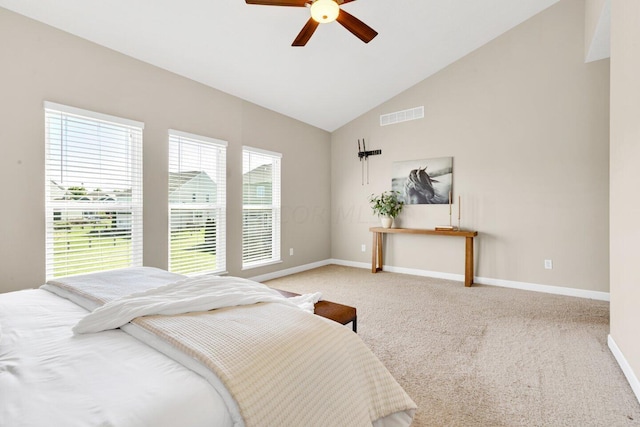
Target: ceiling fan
{"x":323,"y":12}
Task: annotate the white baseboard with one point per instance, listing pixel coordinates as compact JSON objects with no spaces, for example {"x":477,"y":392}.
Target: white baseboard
{"x":626,"y":368}
{"x":402,"y":270}
{"x":346,"y":263}
{"x":558,"y":290}
{"x":290,"y":271}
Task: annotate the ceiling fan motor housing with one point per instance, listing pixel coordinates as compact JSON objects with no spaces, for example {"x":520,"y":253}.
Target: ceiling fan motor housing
{"x":325,"y":11}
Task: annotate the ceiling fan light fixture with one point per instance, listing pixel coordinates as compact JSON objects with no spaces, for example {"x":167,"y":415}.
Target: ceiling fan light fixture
{"x":324,"y":11}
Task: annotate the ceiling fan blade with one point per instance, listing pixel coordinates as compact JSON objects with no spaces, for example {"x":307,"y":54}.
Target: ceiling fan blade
{"x":356,"y":26}
{"x":306,"y":33}
{"x":345,"y":2}
{"x":294,"y":3}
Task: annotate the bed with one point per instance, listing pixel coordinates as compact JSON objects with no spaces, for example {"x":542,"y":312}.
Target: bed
{"x":251,"y":360}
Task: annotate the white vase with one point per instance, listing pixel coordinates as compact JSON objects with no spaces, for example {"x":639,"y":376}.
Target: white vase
{"x":387,"y":221}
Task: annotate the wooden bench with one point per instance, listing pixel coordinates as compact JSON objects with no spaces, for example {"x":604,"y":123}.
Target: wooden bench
{"x":342,"y":314}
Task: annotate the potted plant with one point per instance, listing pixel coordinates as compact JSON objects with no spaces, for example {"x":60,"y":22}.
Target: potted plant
{"x":387,"y":205}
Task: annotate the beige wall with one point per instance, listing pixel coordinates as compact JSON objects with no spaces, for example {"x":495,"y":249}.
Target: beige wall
{"x":40,"y":63}
{"x":524,"y":118}
{"x":593,"y":11}
{"x":526,"y":121}
{"x":625,"y":177}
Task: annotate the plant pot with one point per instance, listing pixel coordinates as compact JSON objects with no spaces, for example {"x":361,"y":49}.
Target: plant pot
{"x":387,"y":221}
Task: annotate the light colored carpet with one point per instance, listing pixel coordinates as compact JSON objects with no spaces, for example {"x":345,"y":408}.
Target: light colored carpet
{"x":484,"y":356}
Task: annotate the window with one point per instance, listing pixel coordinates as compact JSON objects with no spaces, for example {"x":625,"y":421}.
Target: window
{"x":260,"y":207}
{"x":93,"y":192}
{"x":197,"y":204}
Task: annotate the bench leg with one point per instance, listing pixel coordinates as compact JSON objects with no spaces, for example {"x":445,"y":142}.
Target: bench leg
{"x":354,"y":323}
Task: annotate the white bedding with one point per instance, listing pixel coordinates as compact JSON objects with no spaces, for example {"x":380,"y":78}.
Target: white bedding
{"x":49,"y":377}
{"x":195,"y":294}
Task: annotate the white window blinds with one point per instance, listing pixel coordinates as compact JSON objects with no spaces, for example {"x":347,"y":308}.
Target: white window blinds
{"x":197,"y":204}
{"x":260,"y":207}
{"x":93,"y":191}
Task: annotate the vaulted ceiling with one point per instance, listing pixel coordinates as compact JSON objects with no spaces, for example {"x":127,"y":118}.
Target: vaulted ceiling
{"x":245,"y":50}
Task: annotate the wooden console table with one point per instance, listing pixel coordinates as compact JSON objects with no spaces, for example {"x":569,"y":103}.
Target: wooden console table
{"x":376,"y":248}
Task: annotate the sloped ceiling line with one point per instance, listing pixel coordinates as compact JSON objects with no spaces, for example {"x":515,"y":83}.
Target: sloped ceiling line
{"x":245,"y":50}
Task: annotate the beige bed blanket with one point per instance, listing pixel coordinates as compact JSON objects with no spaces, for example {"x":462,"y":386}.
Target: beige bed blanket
{"x":283,"y":366}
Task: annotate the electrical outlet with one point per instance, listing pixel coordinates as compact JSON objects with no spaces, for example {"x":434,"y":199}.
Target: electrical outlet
{"x":290,"y":251}
{"x":364,"y":247}
{"x":548,"y":264}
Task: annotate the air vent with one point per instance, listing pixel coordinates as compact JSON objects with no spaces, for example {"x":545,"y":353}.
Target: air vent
{"x":402,"y":116}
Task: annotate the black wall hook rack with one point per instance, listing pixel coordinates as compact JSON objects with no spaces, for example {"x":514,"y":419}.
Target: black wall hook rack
{"x":364,"y":154}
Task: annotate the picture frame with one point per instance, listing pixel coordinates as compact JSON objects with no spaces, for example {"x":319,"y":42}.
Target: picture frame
{"x":424,"y":181}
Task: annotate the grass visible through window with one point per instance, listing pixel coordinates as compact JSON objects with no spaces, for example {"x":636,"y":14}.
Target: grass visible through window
{"x":102,"y":248}
{"x":192,"y":250}
{"x":108,"y":248}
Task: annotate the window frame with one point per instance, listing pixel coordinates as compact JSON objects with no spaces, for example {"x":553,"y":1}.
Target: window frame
{"x":131,"y":205}
{"x":219,"y":204}
{"x":275,"y":207}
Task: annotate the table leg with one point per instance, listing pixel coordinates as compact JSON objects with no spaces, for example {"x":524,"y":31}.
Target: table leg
{"x":379,"y":251}
{"x":468,"y":262}
{"x":376,"y":253}
{"x":379,"y":245}
{"x":374,"y":250}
